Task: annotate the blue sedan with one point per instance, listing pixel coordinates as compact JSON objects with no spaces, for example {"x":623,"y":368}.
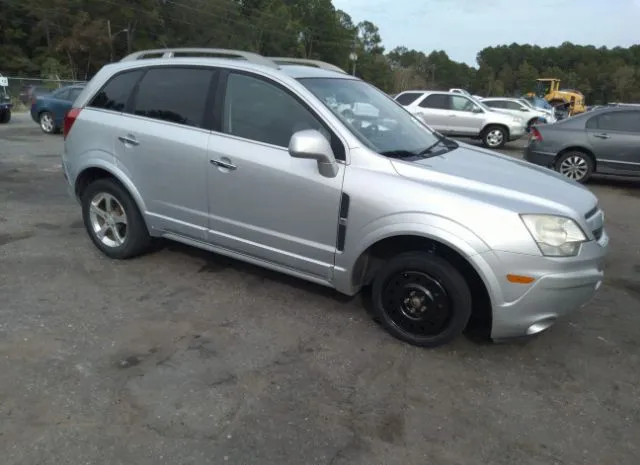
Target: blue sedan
{"x":48,"y":110}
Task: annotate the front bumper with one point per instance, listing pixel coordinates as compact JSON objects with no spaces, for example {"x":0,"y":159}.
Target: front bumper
{"x":516,"y":131}
{"x":561,"y":286}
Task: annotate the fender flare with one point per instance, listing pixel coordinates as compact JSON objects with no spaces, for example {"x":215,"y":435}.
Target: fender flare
{"x":97,"y":160}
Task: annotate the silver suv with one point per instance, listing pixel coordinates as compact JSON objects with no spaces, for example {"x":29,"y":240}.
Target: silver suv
{"x":456,"y":114}
{"x":253,"y":158}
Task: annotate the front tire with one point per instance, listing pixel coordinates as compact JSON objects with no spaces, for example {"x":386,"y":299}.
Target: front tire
{"x":421,"y":299}
{"x":113,"y":221}
{"x":494,"y":137}
{"x":575,"y":165}
{"x":5,"y":117}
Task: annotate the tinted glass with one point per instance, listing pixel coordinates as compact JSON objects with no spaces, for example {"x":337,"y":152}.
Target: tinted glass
{"x":177,"y":95}
{"x":493,"y":104}
{"x":73,"y":94}
{"x":459,"y":103}
{"x":114,"y":95}
{"x":249,"y":100}
{"x":439,"y":101}
{"x":512,"y":105}
{"x":61,"y":94}
{"x":408,"y":98}
{"x":624,"y":121}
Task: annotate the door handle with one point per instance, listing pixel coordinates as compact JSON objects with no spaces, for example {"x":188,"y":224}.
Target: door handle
{"x":453,"y":116}
{"x":128,"y":140}
{"x":602,"y":136}
{"x":223,"y":164}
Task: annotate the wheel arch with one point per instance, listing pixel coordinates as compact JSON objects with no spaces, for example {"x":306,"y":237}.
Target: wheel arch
{"x":577,"y":148}
{"x":455,"y":250}
{"x":100,"y":169}
{"x":493,"y":125}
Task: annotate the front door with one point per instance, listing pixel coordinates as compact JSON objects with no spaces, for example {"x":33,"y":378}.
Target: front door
{"x":463,"y":118}
{"x":262,"y":202}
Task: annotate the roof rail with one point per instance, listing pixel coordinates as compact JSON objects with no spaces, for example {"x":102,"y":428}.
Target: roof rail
{"x":307,"y":62}
{"x":196,"y":52}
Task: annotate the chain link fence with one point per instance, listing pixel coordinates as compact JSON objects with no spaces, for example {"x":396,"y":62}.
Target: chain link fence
{"x":23,"y":89}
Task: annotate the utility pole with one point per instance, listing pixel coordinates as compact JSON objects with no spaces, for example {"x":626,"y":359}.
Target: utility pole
{"x":353,"y":56}
{"x":110,"y":40}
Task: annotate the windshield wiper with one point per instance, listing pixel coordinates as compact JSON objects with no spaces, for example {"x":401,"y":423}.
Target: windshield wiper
{"x":447,"y":143}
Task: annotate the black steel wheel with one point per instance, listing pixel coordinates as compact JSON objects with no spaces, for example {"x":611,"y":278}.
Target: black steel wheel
{"x":421,"y":299}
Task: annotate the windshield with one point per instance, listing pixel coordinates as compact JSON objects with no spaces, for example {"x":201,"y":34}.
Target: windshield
{"x":378,"y":121}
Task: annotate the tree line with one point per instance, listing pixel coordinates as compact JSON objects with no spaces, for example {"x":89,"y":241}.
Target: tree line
{"x":72,"y":39}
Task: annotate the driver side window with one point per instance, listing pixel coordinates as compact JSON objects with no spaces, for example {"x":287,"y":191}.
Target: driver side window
{"x":257,"y":110}
{"x":459,"y":103}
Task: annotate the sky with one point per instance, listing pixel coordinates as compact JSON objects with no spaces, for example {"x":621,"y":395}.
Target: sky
{"x":464,"y":27}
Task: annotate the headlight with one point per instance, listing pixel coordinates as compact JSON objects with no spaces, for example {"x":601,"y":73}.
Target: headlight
{"x":556,"y":236}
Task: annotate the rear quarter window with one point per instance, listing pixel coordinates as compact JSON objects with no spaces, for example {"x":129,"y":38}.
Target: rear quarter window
{"x":408,"y":98}
{"x":115,"y":94}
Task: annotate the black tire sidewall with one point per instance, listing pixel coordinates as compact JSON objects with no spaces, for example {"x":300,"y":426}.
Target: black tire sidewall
{"x":584,"y":156}
{"x":137,"y":239}
{"x":5,"y":117}
{"x":486,"y":134}
{"x":448,"y":276}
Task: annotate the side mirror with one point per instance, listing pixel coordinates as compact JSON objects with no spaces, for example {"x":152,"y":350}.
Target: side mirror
{"x":524,"y":109}
{"x":311,"y":145}
{"x":477,"y":110}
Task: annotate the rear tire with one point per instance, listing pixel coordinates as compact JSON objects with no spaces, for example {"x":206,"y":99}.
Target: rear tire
{"x":113,"y":221}
{"x":421,"y":299}
{"x":494,"y":137}
{"x":575,"y":165}
{"x":5,"y":117}
{"x":47,"y":122}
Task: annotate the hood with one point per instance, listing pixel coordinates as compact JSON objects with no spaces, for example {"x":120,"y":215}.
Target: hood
{"x":483,"y":173}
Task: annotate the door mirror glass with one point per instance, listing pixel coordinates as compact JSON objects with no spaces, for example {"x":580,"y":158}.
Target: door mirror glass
{"x":312,"y":145}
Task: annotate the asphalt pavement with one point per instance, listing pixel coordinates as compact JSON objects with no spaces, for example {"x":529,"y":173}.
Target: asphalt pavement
{"x":182,"y":357}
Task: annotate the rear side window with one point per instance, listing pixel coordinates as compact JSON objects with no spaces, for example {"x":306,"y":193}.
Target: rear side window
{"x":494,"y":104}
{"x":177,"y":95}
{"x":439,"y":101}
{"x":623,"y":121}
{"x":408,"y":98}
{"x":115,"y":94}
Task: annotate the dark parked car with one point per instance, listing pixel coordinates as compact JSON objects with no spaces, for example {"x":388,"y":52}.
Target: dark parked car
{"x":49,"y":110}
{"x":605,"y":141}
{"x":29,"y":93}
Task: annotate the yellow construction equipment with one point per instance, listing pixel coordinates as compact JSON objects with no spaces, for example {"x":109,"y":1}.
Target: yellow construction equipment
{"x":570,"y":99}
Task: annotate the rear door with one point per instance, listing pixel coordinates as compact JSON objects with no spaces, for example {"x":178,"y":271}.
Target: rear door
{"x":434,"y":110}
{"x":161,"y":143}
{"x":615,"y":139}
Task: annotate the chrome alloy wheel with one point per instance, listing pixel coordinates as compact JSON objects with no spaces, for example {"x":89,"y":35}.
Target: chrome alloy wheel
{"x":46,"y":122}
{"x":108,"y":220}
{"x":574,"y":167}
{"x":495,"y":138}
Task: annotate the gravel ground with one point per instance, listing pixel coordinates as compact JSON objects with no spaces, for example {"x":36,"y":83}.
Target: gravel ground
{"x":183,"y":357}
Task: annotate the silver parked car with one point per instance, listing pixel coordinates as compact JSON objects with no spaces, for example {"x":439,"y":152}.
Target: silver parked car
{"x":522,"y":109}
{"x":456,"y":114}
{"x":252,"y":158}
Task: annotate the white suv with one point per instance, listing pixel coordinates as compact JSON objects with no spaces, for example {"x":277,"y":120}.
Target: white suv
{"x":458,"y":115}
{"x":521,"y":108}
